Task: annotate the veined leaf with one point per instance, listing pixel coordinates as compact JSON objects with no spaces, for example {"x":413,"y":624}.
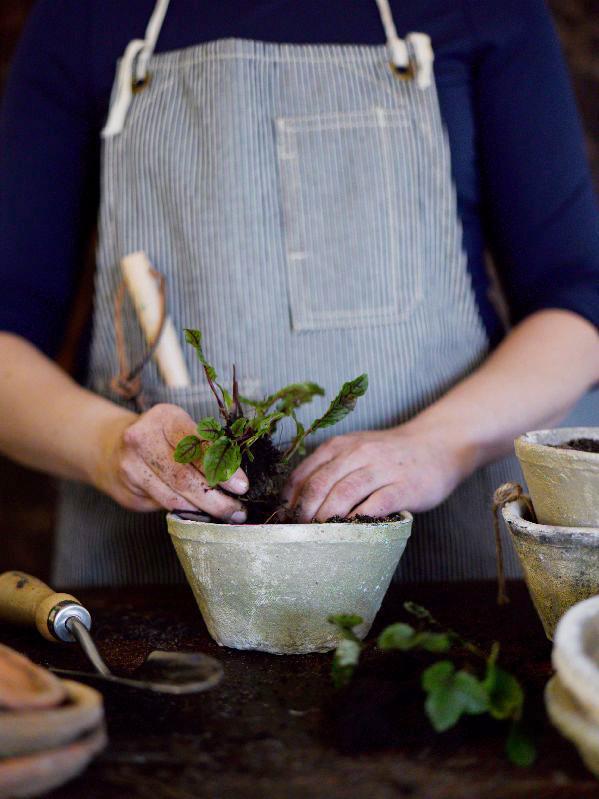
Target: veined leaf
{"x":343,"y":404}
{"x":209,"y":429}
{"x":239,"y":426}
{"x":228,"y":400}
{"x":221,"y":460}
{"x":289,"y":397}
{"x":194,"y":337}
{"x":188,"y":449}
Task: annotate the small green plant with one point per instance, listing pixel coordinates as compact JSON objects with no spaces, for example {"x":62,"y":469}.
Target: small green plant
{"x":222,"y":445}
{"x":480,"y":686}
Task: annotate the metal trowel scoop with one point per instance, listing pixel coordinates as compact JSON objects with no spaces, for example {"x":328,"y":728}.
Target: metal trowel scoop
{"x":61,"y":617}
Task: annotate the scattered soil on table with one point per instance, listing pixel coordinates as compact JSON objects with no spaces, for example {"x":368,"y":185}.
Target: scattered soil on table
{"x":580,"y":444}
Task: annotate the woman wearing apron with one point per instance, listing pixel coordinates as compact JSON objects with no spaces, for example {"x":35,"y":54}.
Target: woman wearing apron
{"x":300,"y":201}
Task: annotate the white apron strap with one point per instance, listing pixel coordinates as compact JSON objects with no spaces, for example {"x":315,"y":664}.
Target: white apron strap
{"x":412,"y":57}
{"x":135,"y":59}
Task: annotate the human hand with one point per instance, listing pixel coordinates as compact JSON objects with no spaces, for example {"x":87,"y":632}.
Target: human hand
{"x":138,"y":470}
{"x":376,"y":473}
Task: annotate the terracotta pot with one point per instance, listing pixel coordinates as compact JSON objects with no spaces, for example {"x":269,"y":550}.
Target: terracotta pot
{"x":563,"y":483}
{"x":272,"y":587}
{"x":560,"y":564}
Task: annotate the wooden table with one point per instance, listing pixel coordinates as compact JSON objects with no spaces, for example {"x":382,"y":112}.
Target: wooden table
{"x":275,"y":727}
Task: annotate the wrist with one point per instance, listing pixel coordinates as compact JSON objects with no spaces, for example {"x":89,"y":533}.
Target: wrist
{"x":106,"y":434}
{"x":449,"y":439}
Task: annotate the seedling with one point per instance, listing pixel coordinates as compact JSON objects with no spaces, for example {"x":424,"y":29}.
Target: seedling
{"x":479,"y":686}
{"x":222,"y":445}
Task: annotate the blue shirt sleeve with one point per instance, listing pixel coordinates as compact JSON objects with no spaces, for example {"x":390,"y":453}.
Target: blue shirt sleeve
{"x":539,"y":204}
{"x":48,"y":172}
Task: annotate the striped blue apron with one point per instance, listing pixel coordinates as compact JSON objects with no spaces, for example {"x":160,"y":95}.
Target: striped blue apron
{"x":300,"y":203}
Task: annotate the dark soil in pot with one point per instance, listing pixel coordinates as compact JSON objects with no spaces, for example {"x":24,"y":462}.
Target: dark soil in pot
{"x":580,"y":444}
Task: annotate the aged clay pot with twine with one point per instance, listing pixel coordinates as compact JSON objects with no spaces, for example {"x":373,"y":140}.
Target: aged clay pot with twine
{"x":563,"y":483}
{"x":49,"y":728}
{"x":272,"y":587}
{"x":560,"y":564}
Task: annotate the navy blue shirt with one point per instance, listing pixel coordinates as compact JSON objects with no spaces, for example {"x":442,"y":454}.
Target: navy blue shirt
{"x":523,"y":185}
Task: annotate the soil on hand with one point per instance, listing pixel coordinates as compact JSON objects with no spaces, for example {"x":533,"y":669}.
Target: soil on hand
{"x":580,"y":444}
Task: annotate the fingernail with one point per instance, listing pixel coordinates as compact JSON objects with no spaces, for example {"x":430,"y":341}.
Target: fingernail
{"x":238,"y":517}
{"x":240,"y":484}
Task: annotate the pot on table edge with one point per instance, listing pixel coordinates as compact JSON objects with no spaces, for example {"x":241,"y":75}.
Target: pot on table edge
{"x":560,"y":564}
{"x":272,"y":587}
{"x":563,"y":483}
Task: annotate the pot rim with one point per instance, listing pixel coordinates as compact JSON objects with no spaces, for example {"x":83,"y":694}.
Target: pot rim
{"x":553,"y":535}
{"x":325,"y":532}
{"x":533,"y":447}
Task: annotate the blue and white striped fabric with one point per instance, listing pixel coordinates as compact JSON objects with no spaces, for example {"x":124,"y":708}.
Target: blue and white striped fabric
{"x":299,"y":200}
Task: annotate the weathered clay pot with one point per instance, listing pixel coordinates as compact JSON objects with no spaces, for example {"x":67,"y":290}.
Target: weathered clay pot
{"x":574,"y":724}
{"x":560,"y":564}
{"x":563,"y":483}
{"x":272,"y":587}
{"x":575,"y":652}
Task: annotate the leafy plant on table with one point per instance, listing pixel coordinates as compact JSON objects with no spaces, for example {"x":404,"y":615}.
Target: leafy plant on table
{"x":221,"y":445}
{"x":481,"y":686}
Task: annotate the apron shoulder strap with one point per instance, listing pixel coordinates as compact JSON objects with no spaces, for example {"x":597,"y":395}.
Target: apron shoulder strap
{"x":133,"y":69}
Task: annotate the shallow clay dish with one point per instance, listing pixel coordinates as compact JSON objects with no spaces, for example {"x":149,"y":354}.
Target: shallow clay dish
{"x":23,"y":685}
{"x":576,"y":655}
{"x":24,"y":732}
{"x":32,"y":775}
{"x":570,"y":719}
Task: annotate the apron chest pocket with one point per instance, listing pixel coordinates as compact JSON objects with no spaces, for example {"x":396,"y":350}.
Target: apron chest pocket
{"x":352,"y":217}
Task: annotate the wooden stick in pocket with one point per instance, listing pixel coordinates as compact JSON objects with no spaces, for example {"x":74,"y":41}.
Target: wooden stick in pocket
{"x":143,"y":290}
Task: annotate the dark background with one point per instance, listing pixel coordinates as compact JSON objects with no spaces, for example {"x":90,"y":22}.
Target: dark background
{"x":26,"y":497}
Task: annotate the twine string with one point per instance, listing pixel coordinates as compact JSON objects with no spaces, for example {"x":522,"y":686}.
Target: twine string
{"x":127,"y":383}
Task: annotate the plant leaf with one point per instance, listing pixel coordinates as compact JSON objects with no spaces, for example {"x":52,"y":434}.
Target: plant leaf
{"x":345,"y":621}
{"x":209,"y":429}
{"x":519,"y":746}
{"x":404,"y":637}
{"x":419,"y":612}
{"x":227,"y":398}
{"x":505,"y":693}
{"x":188,"y":449}
{"x":239,"y":425}
{"x":289,"y":397}
{"x":345,"y":660}
{"x":194,"y":337}
{"x":221,"y":460}
{"x":397,"y":636}
{"x":451,"y":694}
{"x":343,"y":404}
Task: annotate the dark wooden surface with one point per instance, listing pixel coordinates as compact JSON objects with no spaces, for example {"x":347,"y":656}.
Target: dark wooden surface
{"x":276,"y":728}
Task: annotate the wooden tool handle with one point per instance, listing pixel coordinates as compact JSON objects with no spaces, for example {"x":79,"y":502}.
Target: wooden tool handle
{"x":26,"y":600}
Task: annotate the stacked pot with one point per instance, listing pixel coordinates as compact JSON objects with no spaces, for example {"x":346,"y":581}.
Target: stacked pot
{"x":559,"y":548}
{"x":572,"y":694}
{"x":49,"y":728}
